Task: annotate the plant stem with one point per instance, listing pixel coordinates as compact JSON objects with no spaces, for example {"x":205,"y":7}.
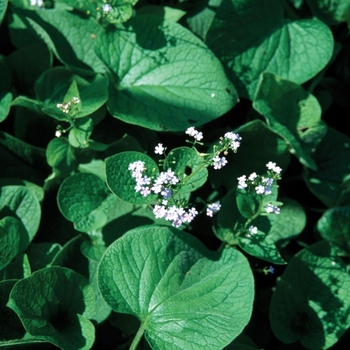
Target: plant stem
{"x":137,"y":338}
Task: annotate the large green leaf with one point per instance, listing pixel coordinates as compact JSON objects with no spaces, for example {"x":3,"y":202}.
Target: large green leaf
{"x":186,"y":296}
{"x":252,"y":36}
{"x":312,"y":301}
{"x":69,"y":36}
{"x":85,"y":200}
{"x":162,"y":77}
{"x":293,"y":113}
{"x":54,"y":304}
{"x":20,"y":203}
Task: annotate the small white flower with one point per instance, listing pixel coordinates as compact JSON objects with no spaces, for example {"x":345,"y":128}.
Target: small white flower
{"x":242,"y":184}
{"x":272,"y":166}
{"x":213,"y":208}
{"x":58,"y":133}
{"x":159,"y":211}
{"x":159,"y":149}
{"x":252,"y":176}
{"x":219,"y":162}
{"x":106,"y":8}
{"x":145,"y":191}
{"x":260,"y":189}
{"x":253,"y":230}
{"x":272,"y":209}
{"x":194,"y":133}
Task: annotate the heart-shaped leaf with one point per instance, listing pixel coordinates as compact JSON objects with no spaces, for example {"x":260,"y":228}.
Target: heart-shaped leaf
{"x":162,"y":77}
{"x":186,"y":296}
{"x":252,"y":36}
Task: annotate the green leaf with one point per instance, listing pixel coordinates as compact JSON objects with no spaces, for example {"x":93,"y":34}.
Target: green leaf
{"x":119,"y":178}
{"x":285,"y":226}
{"x":10,"y":325}
{"x":59,"y":309}
{"x":248,"y":203}
{"x":252,"y":36}
{"x":312,"y":302}
{"x":292,"y":113}
{"x":334,"y":226}
{"x":332,"y":160}
{"x":85,"y":200}
{"x":3,"y":7}
{"x":186,"y":296}
{"x":73,"y":256}
{"x":17,"y":269}
{"x":13,"y":236}
{"x":330,"y":11}
{"x":168,"y":13}
{"x":261,"y":246}
{"x":20,"y":203}
{"x":60,"y":156}
{"x":18,"y":159}
{"x":188,"y":166}
{"x":79,"y":135}
{"x":259,"y":146}
{"x":228,"y":218}
{"x":5,"y":94}
{"x":59,"y":85}
{"x":162,"y":77}
{"x":69,"y":36}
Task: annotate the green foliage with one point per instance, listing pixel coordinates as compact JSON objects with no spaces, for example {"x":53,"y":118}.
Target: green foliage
{"x":59,"y":310}
{"x":175,"y":175}
{"x":301,"y":311}
{"x":253,"y":36}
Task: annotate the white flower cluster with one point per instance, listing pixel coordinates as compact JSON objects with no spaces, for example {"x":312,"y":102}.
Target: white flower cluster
{"x":37,"y":3}
{"x":234,"y":139}
{"x":161,"y":185}
{"x":253,"y":230}
{"x":213,"y":208}
{"x":229,"y":141}
{"x":262,"y":185}
{"x":197,"y":135}
{"x":65,"y":107}
{"x":106,"y":8}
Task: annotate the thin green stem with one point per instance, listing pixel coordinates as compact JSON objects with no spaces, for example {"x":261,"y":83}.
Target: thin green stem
{"x":137,"y":338}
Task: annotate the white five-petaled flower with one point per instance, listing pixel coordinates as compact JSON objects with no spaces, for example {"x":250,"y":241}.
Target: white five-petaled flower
{"x":213,"y":208}
{"x":159,"y":149}
{"x":218,"y":162}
